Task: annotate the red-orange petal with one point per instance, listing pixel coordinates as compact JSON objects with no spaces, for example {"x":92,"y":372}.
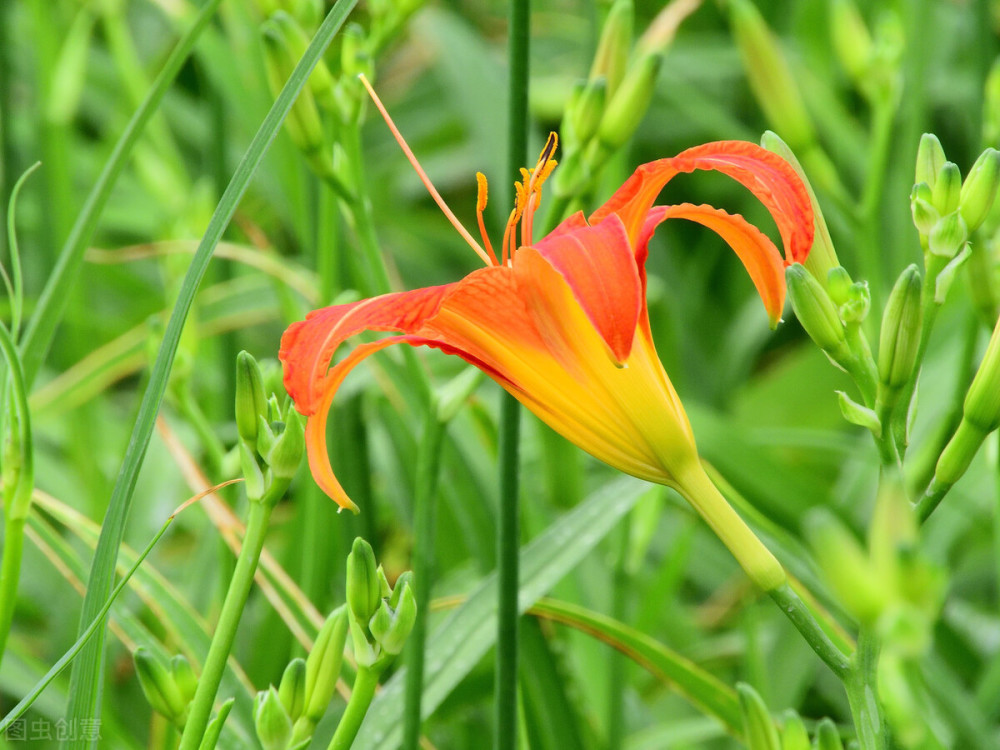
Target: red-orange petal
{"x":759,"y":255}
{"x":599,"y":266}
{"x":765,"y":174}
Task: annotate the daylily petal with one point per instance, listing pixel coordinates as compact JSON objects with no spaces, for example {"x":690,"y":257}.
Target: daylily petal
{"x":599,"y":266}
{"x":759,"y":255}
{"x":765,"y":174}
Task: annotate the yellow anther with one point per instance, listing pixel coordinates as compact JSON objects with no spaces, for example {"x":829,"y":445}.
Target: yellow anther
{"x":483,"y":192}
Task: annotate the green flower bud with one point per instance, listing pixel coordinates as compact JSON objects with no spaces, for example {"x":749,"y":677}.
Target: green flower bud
{"x":947,"y":188}
{"x":384,"y":589}
{"x":793,"y":732}
{"x":321,"y":83}
{"x":827,"y":736}
{"x":759,"y":731}
{"x":363,"y":587}
{"x":815,"y":311}
{"x":770,"y":76}
{"x":303,"y":122}
{"x":253,"y":477}
{"x":306,"y":12}
{"x":250,"y":399}
{"x":391,"y":627}
{"x":902,"y":320}
{"x":282,"y":444}
{"x":859,"y":300}
{"x":323,"y":664}
{"x":846,"y":566}
{"x":948,"y":235}
{"x":274,"y":727}
{"x":930,"y":160}
{"x":982,"y":402}
{"x":292,"y":690}
{"x":611,"y":58}
{"x":366,"y":650}
{"x":851,"y":41}
{"x":572,"y":176}
{"x":957,"y":455}
{"x":184,"y":677}
{"x":630,"y":101}
{"x":980,"y":188}
{"x":838,"y":285}
{"x":404,"y":581}
{"x":822,"y":258}
{"x":944,"y":278}
{"x":925,"y":216}
{"x":586,"y":109}
{"x":214,"y":729}
{"x":158,"y":685}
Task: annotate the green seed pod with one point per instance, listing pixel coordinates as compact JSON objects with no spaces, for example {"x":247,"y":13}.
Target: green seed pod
{"x":292,"y":690}
{"x":770,"y":76}
{"x":363,"y":587}
{"x":930,"y":160}
{"x":816,"y":312}
{"x":274,"y":727}
{"x":611,"y":58}
{"x":630,"y":101}
{"x":759,"y":731}
{"x":900,"y":336}
{"x":980,"y":189}
{"x":947,"y":188}
{"x":158,"y":685}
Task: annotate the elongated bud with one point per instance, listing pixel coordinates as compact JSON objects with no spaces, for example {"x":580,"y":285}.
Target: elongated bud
{"x":184,"y":677}
{"x":822,"y":258}
{"x":292,"y":690}
{"x":980,"y":189}
{"x":793,"y":732}
{"x":851,"y":40}
{"x":251,"y":402}
{"x":815,"y":311}
{"x":321,"y":82}
{"x":925,"y":216}
{"x":611,"y":58}
{"x":900,"y":336}
{"x":629,"y":103}
{"x":158,"y":685}
{"x":363,"y":589}
{"x":283,"y":451}
{"x":827,"y":736}
{"x":404,"y":581}
{"x":770,"y":76}
{"x":253,"y":476}
{"x":930,"y":160}
{"x":303,"y":123}
{"x":759,"y":731}
{"x":947,"y":188}
{"x":846,"y":566}
{"x":982,"y":403}
{"x":948,"y":235}
{"x":323,"y":664}
{"x":586,"y":110}
{"x":274,"y":727}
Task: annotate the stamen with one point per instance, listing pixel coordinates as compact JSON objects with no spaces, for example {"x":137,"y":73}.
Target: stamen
{"x":481,"y":198}
{"x":423,"y":175}
{"x":533,"y":191}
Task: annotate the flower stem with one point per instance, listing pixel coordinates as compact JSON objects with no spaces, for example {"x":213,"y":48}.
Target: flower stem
{"x":361,"y":698}
{"x":225,"y":630}
{"x":424,"y":520}
{"x":801,"y":617}
{"x":10,"y":574}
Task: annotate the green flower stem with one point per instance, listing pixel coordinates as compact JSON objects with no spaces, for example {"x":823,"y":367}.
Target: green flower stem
{"x":862,"y":692}
{"x":361,"y":698}
{"x":758,"y":563}
{"x":424,"y":522}
{"x":10,"y":574}
{"x":225,"y":630}
{"x":619,"y":611}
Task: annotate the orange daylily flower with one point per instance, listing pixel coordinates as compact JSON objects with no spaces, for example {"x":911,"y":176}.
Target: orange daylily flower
{"x":561,"y":323}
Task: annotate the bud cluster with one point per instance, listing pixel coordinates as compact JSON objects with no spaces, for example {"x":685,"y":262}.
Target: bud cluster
{"x":271,"y":435}
{"x":168,"y":687}
{"x":761,"y":731}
